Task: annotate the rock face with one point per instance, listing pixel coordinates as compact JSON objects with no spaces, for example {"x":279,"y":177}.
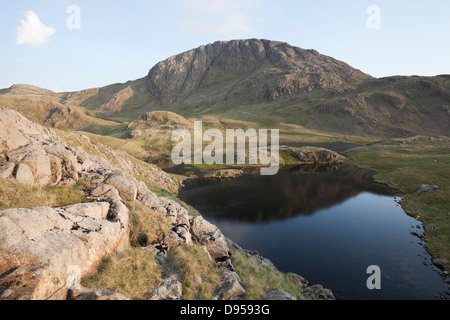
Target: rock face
{"x":313,"y":155}
{"x":262,"y":69}
{"x":45,"y":250}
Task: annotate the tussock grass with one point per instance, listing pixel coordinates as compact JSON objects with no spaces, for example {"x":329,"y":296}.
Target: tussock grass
{"x":24,"y":196}
{"x":133,"y":271}
{"x":199,"y":273}
{"x":258,"y":280}
{"x":161,"y":192}
{"x":146,"y":226}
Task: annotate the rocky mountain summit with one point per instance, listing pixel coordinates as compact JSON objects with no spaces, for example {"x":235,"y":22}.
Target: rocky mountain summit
{"x":259,"y":69}
{"x":257,"y":81}
{"x":46,"y":251}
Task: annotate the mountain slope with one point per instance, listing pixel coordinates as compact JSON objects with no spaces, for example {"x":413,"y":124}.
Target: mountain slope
{"x":253,"y":81}
{"x":255,"y":69}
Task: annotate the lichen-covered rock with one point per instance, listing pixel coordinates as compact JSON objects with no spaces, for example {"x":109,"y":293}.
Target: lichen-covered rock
{"x":44,"y":251}
{"x":230,"y":287}
{"x":170,"y":289}
{"x":125,"y":185}
{"x":79,"y":293}
{"x":278,"y":295}
{"x":211,"y":237}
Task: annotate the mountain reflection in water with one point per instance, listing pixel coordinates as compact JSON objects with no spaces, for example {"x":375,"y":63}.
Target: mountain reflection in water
{"x":327,"y":224}
{"x":296,"y":191}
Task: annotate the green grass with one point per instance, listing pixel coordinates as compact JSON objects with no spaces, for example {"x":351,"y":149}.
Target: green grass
{"x":24,"y":196}
{"x":258,"y":280}
{"x":405,"y":167}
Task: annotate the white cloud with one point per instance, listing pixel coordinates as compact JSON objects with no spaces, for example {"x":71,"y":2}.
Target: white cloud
{"x":218,"y":17}
{"x":32,"y":31}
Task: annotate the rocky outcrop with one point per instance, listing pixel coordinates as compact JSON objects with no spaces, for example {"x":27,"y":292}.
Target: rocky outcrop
{"x":226,"y":69}
{"x":170,"y":289}
{"x":309,"y":291}
{"x":278,"y":295}
{"x":313,"y":155}
{"x":44,"y":251}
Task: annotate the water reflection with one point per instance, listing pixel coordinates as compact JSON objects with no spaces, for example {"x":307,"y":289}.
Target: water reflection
{"x":327,"y":224}
{"x":296,"y":191}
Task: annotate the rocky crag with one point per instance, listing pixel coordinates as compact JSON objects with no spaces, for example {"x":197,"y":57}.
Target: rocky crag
{"x":44,"y":252}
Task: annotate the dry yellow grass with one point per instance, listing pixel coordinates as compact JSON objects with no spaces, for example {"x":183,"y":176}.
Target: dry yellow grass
{"x":200,"y":274}
{"x":258,"y":280}
{"x":146,"y":226}
{"x":133,"y":271}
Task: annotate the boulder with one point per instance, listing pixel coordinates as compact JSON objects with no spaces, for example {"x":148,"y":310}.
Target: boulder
{"x":317,"y":292}
{"x":278,"y":295}
{"x":103,"y":192}
{"x":45,"y":251}
{"x":209,"y":236}
{"x":440,"y":262}
{"x":17,"y":132}
{"x":178,"y":235}
{"x":35,"y":157}
{"x":427,"y":188}
{"x":79,"y":293}
{"x":125,"y":185}
{"x":170,"y":289}
{"x":23,"y":175}
{"x":231,"y":287}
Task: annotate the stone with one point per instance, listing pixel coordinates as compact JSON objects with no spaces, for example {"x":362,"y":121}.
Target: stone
{"x":10,"y":233}
{"x":427,"y":188}
{"x":103,"y":191}
{"x":17,"y":132}
{"x":317,"y":292}
{"x":178,"y":235}
{"x":32,"y":224}
{"x":23,"y":174}
{"x":126,"y":187}
{"x":55,"y":248}
{"x":37,"y":160}
{"x":6,"y":170}
{"x":97,"y":210}
{"x":79,"y":293}
{"x":230,"y":287}
{"x":210,"y":236}
{"x":431,"y":227}
{"x":170,"y":289}
{"x":278,"y":295}
{"x":440,"y":262}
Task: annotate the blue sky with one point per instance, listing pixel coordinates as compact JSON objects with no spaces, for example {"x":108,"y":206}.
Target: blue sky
{"x":121,"y":40}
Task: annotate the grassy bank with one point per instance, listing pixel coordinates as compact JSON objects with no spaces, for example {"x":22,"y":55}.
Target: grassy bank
{"x":407,"y":164}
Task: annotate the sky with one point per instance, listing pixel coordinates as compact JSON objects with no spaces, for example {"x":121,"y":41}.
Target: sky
{"x":75,"y":45}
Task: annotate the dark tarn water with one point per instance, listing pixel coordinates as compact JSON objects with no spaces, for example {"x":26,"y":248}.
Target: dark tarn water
{"x":327,"y":225}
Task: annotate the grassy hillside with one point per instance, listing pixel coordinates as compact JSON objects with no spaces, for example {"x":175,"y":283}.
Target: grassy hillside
{"x":405,"y":165}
